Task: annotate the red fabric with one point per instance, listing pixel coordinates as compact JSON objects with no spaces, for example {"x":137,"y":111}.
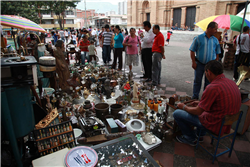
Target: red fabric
{"x":84,"y":44}
{"x":168,"y":35}
{"x":158,"y":42}
{"x":221,"y":97}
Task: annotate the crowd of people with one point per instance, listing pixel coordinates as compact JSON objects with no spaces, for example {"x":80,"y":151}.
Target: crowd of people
{"x":221,"y":96}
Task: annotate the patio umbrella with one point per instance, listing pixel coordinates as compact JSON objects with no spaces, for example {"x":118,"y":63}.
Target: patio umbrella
{"x":224,"y":22}
{"x":19,"y":22}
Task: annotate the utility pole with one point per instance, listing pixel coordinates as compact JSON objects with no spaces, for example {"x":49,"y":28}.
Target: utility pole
{"x":85,"y":19}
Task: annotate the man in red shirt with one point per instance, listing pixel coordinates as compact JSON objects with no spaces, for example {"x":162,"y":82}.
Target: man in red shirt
{"x":222,"y":97}
{"x":158,"y":54}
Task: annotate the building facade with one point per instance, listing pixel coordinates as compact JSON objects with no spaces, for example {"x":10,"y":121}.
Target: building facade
{"x":122,"y":8}
{"x":90,"y":13}
{"x":50,"y":20}
{"x":167,"y":13}
{"x":110,"y":13}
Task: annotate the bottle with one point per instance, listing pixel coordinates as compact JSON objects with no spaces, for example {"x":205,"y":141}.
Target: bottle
{"x":71,"y":136}
{"x":47,"y":133}
{"x":50,"y":133}
{"x":70,"y":126}
{"x":48,"y":145}
{"x":45,"y":145}
{"x":39,"y":146}
{"x":41,"y":154}
{"x":51,"y":143}
{"x":149,"y":102}
{"x":67,"y":125}
{"x":64,"y":140}
{"x":151,"y":105}
{"x":61,"y":139}
{"x":55,"y":130}
{"x":156,"y":107}
{"x":44,"y":134}
{"x":41,"y":134}
{"x":64,"y":129}
{"x":58,"y":128}
{"x":42,"y":148}
{"x":58,"y":141}
{"x":61,"y":129}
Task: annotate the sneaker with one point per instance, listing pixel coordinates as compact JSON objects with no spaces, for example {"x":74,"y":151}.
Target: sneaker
{"x":182,"y":139}
{"x":148,"y":80}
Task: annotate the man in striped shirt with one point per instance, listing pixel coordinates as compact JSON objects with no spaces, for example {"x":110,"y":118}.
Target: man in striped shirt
{"x":207,"y":48}
{"x":221,"y":97}
{"x":106,"y":44}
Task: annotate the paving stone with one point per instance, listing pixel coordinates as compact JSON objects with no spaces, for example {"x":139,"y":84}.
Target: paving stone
{"x":224,"y":158}
{"x":167,"y":160}
{"x":170,"y":89}
{"x":243,"y":157}
{"x":205,"y":163}
{"x":184,"y":161}
{"x":184,"y":149}
{"x":243,"y":146}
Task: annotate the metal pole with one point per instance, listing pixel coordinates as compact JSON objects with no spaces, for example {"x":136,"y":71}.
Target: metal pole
{"x":85,"y":19}
{"x":243,"y":20}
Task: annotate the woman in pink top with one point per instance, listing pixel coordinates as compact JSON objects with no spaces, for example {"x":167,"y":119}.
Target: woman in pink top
{"x":131,"y":42}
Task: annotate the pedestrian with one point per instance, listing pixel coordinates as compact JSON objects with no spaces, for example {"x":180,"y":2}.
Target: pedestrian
{"x":61,"y":32}
{"x":112,"y":28}
{"x":92,"y":52}
{"x":126,"y":31}
{"x":94,"y":35}
{"x":207,"y":48}
{"x":73,"y":37}
{"x":118,"y":47}
{"x":100,"y":36}
{"x":242,"y":54}
{"x":140,"y":31}
{"x":168,"y":37}
{"x":66,"y":34}
{"x":131,"y":42}
{"x":83,"y":45}
{"x":222,"y":97}
{"x":106,"y":44}
{"x":158,"y":55}
{"x":55,"y":37}
{"x":147,"y":39}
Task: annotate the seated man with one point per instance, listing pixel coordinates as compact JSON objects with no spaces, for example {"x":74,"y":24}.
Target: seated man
{"x":222,"y":97}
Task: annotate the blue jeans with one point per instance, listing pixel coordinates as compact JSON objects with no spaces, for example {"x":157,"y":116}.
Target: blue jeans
{"x":156,"y":68}
{"x":84,"y":55}
{"x":106,"y":49}
{"x":185,"y":121}
{"x":198,"y":75}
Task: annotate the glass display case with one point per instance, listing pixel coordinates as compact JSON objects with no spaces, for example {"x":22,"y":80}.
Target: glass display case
{"x":124,"y":151}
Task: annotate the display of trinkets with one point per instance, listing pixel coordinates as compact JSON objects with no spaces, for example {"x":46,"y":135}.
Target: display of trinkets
{"x":54,"y":138}
{"x":124,"y":151}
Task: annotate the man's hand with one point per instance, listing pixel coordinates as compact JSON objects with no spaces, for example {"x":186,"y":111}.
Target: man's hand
{"x":180,"y":105}
{"x":163,"y":57}
{"x":195,"y":103}
{"x":194,"y":65}
{"x":129,"y":45}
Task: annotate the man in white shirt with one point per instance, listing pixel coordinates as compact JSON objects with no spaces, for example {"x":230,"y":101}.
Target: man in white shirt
{"x":62,"y":34}
{"x":147,"y":39}
{"x":242,"y":51}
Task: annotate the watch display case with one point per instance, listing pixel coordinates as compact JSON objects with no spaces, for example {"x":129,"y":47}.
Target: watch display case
{"x":124,"y":151}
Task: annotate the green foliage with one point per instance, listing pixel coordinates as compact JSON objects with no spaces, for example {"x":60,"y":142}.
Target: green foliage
{"x":30,"y":9}
{"x":59,"y":7}
{"x":27,"y":9}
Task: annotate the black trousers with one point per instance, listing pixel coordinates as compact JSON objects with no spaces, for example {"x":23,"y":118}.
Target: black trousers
{"x":117,"y":54}
{"x":147,"y":61}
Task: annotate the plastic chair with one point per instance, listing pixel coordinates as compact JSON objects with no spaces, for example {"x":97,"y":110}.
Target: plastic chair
{"x":227,"y":120}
